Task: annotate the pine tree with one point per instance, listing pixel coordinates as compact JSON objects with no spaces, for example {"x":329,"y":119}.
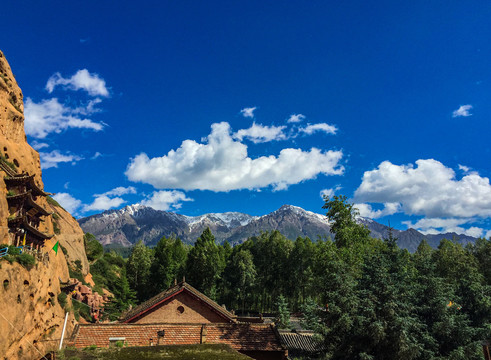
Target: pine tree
{"x":282,"y":313}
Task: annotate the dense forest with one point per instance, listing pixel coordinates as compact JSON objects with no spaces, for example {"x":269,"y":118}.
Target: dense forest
{"x":364,"y":297}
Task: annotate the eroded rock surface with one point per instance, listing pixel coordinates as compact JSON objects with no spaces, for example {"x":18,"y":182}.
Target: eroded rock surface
{"x":31,"y":319}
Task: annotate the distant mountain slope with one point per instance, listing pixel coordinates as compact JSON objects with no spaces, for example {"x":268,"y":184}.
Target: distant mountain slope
{"x":137,"y":222}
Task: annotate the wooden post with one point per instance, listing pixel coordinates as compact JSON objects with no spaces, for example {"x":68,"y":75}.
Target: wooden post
{"x":485,"y":348}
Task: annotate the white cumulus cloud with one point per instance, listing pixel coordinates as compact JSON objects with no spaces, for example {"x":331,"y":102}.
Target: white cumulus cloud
{"x":81,"y":80}
{"x":321,"y":127}
{"x":449,"y":225}
{"x":104,"y":202}
{"x":50,"y":116}
{"x":430,"y":189}
{"x":222,"y":164}
{"x":39,"y":145}
{"x":330,"y":192}
{"x":463,"y":110}
{"x":119,"y":191}
{"x":366,"y":210}
{"x":68,"y":202}
{"x":248,"y":112}
{"x":296,"y":118}
{"x":55,"y":157}
{"x":165,"y":200}
{"x":258,"y":133}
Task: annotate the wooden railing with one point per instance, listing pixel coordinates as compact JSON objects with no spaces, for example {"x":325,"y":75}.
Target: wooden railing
{"x":5,"y":167}
{"x":4,"y":252}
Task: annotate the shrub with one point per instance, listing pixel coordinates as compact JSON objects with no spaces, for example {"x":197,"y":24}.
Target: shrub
{"x":74,"y":274}
{"x":93,"y":248}
{"x":65,"y":252}
{"x":52,"y":201}
{"x":56,"y":229}
{"x":81,"y":309}
{"x":62,"y":299}
{"x":78,"y":265}
{"x":26,"y":260}
{"x":14,"y":250}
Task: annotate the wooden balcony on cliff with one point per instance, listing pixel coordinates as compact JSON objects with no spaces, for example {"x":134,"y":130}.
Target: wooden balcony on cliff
{"x":27,"y":182}
{"x":26,"y":204}
{"x":21,"y":227}
{"x":6,"y":168}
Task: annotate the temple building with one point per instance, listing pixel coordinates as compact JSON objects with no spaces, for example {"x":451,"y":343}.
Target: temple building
{"x":182,"y":315}
{"x":25,"y":214}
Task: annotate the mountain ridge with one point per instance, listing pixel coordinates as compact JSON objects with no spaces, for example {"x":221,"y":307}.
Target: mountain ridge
{"x":125,"y":226}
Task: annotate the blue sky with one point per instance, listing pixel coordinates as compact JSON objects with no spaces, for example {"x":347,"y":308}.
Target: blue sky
{"x":200,"y":107}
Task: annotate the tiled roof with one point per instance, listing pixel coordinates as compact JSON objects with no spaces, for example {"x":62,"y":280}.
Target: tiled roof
{"x":243,"y":337}
{"x":141,"y":309}
{"x":299,"y":343}
{"x":26,"y":178}
{"x":246,"y":337}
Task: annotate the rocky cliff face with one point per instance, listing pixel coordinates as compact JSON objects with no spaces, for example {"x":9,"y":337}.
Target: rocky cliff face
{"x":31,"y":319}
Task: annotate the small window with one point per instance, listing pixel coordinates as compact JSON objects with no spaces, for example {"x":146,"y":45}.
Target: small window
{"x":180,"y":309}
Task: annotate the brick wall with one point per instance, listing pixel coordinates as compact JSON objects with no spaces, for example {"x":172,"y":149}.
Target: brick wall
{"x":182,"y":308}
{"x":243,"y":337}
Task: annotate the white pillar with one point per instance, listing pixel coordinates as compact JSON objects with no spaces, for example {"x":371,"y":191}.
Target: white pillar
{"x":63,"y":331}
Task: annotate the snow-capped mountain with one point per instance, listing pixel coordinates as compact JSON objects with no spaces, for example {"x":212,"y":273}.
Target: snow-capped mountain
{"x":138,"y":222}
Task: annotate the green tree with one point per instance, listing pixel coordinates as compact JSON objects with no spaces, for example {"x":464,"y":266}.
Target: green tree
{"x":300,"y":265}
{"x":93,"y":248}
{"x":342,"y":216}
{"x":169,"y":263}
{"x":271,"y":252}
{"x":205,"y":264}
{"x":282,"y":313}
{"x":109,"y":272}
{"x":138,"y":270}
{"x":240,"y":277}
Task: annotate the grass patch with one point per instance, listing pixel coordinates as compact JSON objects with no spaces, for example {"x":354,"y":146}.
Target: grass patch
{"x":8,"y":163}
{"x":56,"y":228}
{"x":174,"y":352}
{"x":62,"y":299}
{"x":52,"y":201}
{"x":26,"y":260}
